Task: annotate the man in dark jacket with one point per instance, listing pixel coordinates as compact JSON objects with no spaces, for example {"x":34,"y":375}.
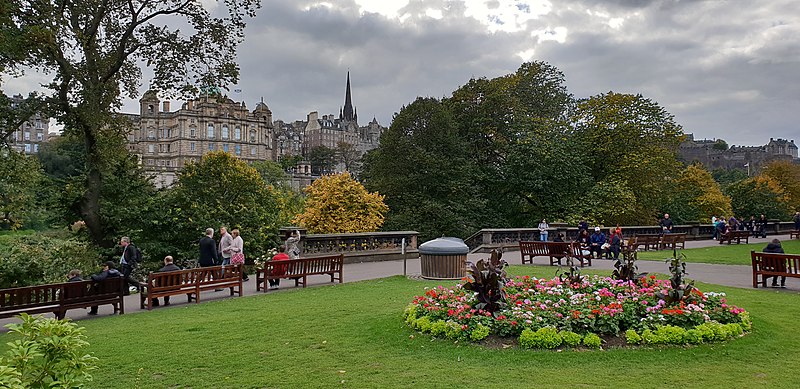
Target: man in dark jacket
{"x":796,"y":221}
{"x":128,"y":261}
{"x":762,"y":226}
{"x":776,"y":248}
{"x":168,"y":266}
{"x":108,"y":272}
{"x":666,"y":224}
{"x":596,"y":242}
{"x":208,"y":249}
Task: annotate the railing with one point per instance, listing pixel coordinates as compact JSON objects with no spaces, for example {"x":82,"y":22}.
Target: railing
{"x":490,"y":238}
{"x":360,"y":247}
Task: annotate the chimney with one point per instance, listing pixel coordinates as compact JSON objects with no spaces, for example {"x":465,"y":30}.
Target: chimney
{"x":190,"y":104}
{"x":165,"y":106}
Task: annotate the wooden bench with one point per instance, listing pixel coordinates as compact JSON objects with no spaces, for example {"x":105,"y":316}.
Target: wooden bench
{"x":647,"y":242}
{"x":59,"y":298}
{"x":794,"y":234}
{"x":299,"y":270}
{"x":190,"y":282}
{"x":673,"y":241}
{"x":769,"y":265}
{"x":737,"y":235}
{"x":554,"y":250}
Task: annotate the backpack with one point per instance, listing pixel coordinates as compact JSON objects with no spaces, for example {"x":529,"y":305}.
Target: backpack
{"x":136,"y":256}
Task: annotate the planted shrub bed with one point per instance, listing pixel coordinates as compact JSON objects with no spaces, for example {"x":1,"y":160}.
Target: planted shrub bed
{"x":553,"y":313}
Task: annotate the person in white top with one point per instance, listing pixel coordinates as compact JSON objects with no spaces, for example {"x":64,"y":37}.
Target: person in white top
{"x":225,"y":244}
{"x":237,"y":248}
{"x":543,"y":226}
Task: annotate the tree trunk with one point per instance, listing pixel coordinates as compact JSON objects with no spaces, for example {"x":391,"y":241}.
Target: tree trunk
{"x":90,"y":202}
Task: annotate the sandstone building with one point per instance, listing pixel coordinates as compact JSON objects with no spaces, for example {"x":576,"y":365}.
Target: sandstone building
{"x":32,"y":133}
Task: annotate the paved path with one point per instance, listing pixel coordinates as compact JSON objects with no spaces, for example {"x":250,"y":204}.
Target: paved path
{"x":729,"y":275}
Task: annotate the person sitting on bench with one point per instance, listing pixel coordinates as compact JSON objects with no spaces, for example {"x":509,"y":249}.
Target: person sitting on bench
{"x":775,"y":247}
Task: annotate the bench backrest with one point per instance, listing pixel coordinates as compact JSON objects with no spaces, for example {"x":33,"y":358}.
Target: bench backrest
{"x":55,"y":294}
{"x":169,"y":280}
{"x":534,"y":248}
{"x":538,"y":248}
{"x":301,"y":266}
{"x":789,"y":263}
{"x":216,"y":274}
{"x":674,"y":238}
{"x":738,"y":233}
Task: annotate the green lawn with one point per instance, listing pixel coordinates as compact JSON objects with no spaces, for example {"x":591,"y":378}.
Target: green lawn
{"x":352,"y":335}
{"x":735,"y":254}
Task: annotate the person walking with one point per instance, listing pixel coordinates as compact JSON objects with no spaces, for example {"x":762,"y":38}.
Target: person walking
{"x":225,"y":245}
{"x":543,"y":226}
{"x":796,"y":220}
{"x":131,"y":256}
{"x":237,"y":252}
{"x":762,"y":226}
{"x":208,"y":249}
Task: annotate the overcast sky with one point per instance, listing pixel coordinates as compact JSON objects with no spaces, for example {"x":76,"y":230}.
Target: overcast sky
{"x":725,"y":69}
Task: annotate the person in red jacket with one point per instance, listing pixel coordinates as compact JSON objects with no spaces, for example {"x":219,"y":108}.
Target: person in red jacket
{"x":278,"y":270}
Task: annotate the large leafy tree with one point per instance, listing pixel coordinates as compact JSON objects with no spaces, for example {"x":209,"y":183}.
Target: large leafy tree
{"x":94,"y":48}
{"x":634,"y":141}
{"x":506,"y":118}
{"x":696,"y":196}
{"x":219,"y":189}
{"x":787,"y":175}
{"x":759,"y":195}
{"x":337,"y":203}
{"x":20,"y":176}
{"x":424,"y":169}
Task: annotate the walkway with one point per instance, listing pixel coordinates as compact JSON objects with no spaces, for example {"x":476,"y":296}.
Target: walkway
{"x":729,"y":275}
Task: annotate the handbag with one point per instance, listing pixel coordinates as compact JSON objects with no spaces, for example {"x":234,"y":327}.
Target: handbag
{"x":237,"y":258}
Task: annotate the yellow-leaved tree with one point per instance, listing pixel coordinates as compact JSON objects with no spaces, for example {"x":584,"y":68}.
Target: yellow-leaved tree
{"x":700,"y":195}
{"x":337,"y":203}
{"x":787,"y":175}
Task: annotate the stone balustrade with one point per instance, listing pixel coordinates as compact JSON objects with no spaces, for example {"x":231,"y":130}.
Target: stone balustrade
{"x":361,"y":247}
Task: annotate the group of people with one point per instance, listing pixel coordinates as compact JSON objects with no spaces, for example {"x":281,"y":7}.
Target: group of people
{"x":722,"y":226}
{"x":596,"y":245}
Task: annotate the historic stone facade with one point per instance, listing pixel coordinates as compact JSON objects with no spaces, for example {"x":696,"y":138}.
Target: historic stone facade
{"x":714,"y":154}
{"x":165,"y":140}
{"x":31,"y":134}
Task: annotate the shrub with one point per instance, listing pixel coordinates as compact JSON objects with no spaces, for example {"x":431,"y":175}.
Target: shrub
{"x":670,"y":334}
{"x":438,"y":328}
{"x":48,"y":355}
{"x":693,"y":336}
{"x":527,"y":338}
{"x":592,"y":341}
{"x":43,"y":258}
{"x":570,"y":338}
{"x":453,"y":330}
{"x":478,"y":333}
{"x":733,"y":329}
{"x":410,"y":313}
{"x":423,"y":324}
{"x":746,"y":322}
{"x":631,"y":337}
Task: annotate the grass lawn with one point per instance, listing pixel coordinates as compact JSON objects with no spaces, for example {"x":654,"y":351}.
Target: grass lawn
{"x":352,"y":335}
{"x":735,"y":254}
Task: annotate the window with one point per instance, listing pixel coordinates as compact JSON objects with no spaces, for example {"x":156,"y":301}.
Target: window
{"x":238,"y":150}
{"x":192,"y":132}
{"x":151,"y":148}
{"x":225,"y":147}
{"x":210,"y":147}
{"x":253,"y":150}
{"x":151,"y":134}
{"x":39,"y":136}
{"x":38,"y":124}
{"x":252,"y":135}
{"x":210,"y":134}
{"x":224,"y":131}
{"x":27,"y":135}
{"x":35,"y":148}
{"x":237,"y":133}
{"x":27,"y":147}
{"x":191,"y":147}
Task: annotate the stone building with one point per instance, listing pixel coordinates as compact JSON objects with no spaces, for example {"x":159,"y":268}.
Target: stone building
{"x":32,"y":133}
{"x":165,"y":140}
{"x":714,"y":154}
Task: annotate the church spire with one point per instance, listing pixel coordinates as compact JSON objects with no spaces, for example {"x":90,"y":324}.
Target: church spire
{"x":348,"y":103}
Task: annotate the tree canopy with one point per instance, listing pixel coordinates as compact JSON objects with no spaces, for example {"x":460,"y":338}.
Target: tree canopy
{"x":93,"y":51}
{"x":337,"y":203}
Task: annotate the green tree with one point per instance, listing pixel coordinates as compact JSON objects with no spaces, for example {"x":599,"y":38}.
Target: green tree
{"x":349,"y":157}
{"x":726,"y":177}
{"x":633,"y":140}
{"x":787,"y":175}
{"x":423,"y":168}
{"x":503,"y":119}
{"x":20,"y":176}
{"x":338,"y":204}
{"x":220,"y":189}
{"x":289,"y":202}
{"x":697,"y":197}
{"x":93,"y":51}
{"x":759,"y":195}
{"x":322,"y":159}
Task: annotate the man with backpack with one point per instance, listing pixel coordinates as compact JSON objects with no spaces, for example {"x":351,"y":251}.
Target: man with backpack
{"x":131,"y":256}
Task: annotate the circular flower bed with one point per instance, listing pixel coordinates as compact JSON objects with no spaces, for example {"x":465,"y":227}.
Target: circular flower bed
{"x":545,"y":313}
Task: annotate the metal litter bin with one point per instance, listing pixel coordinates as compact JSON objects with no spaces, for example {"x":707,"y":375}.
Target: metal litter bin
{"x":444,"y":259}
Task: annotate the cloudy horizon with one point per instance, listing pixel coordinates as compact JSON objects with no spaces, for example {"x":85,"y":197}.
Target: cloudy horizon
{"x":723,"y":68}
